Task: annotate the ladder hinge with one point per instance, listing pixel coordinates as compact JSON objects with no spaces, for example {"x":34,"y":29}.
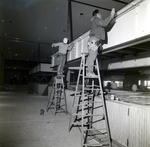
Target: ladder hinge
{"x":128,"y":111}
{"x":127,"y":142}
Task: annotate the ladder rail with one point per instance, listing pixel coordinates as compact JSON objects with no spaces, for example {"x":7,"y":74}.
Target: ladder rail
{"x":83,"y":82}
{"x":104,"y":104}
{"x":76,"y":90}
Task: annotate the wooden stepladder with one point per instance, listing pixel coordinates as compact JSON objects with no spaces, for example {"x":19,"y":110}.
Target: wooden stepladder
{"x":89,"y":111}
{"x":57,"y":96}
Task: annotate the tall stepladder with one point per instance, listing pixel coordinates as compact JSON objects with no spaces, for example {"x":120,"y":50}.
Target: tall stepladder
{"x":57,"y":96}
{"x":89,"y":111}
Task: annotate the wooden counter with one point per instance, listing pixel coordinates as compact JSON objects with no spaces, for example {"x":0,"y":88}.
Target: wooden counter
{"x":129,"y":122}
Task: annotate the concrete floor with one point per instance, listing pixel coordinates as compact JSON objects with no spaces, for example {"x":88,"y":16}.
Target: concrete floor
{"x":21,"y":124}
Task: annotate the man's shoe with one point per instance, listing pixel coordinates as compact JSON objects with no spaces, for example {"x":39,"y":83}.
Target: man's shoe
{"x":92,"y":75}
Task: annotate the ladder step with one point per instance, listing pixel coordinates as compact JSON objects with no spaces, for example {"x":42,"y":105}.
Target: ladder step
{"x":78,"y":124}
{"x":91,"y":88}
{"x":87,"y":115}
{"x":101,"y":140}
{"x":96,"y":144}
{"x":88,"y":99}
{"x":95,"y":77}
{"x":95,"y":102}
{"x":85,"y":95}
{"x":96,"y":131}
{"x":73,"y":94}
{"x":79,"y":94}
{"x":59,"y":89}
{"x":90,"y":102}
{"x":58,"y":111}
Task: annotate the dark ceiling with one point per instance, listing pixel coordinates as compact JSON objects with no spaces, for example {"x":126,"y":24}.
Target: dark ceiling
{"x":29,"y":27}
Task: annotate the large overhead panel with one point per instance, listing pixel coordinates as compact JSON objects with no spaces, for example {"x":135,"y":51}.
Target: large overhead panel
{"x":131,"y":27}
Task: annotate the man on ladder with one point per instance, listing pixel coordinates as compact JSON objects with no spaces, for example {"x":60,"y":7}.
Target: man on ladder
{"x":63,"y":47}
{"x":83,"y":115}
{"x":96,"y":37}
{"x":57,"y":93}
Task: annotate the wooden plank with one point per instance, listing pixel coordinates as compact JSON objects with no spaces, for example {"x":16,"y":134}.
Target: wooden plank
{"x":139,"y":132}
{"x":118,"y":121}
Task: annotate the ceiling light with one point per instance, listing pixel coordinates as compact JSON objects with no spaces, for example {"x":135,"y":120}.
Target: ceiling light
{"x":5,"y":34}
{"x":45,"y":27}
{"x":2,"y":20}
{"x":81,"y":15}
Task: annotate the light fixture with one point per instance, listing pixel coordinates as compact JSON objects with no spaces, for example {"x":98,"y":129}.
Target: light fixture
{"x":81,"y":15}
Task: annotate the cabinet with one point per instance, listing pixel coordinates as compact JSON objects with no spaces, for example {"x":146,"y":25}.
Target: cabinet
{"x":118,"y":121}
{"x":129,"y":123}
{"x":139,"y":132}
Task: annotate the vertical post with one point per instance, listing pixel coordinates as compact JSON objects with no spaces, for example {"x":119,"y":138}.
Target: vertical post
{"x":39,"y":53}
{"x":68,"y":78}
{"x":69,"y":22}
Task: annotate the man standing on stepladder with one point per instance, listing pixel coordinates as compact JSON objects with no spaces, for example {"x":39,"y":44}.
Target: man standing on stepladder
{"x":96,"y":37}
{"x":63,"y":47}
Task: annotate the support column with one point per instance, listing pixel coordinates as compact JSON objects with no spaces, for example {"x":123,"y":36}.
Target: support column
{"x":1,"y":69}
{"x":39,"y":55}
{"x":68,"y":78}
{"x":69,"y":22}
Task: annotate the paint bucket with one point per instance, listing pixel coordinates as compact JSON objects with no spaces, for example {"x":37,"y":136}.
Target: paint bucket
{"x":42,"y":112}
{"x":112,"y":97}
